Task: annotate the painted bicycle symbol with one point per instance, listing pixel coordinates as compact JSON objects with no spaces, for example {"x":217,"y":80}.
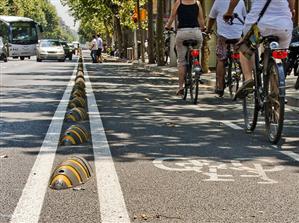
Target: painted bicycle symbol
{"x":218,"y":171}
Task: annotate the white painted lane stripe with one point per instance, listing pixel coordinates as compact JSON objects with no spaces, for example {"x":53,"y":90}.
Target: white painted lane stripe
{"x":30,"y":204}
{"x":112,"y":205}
{"x":291,"y":154}
{"x":232,"y":125}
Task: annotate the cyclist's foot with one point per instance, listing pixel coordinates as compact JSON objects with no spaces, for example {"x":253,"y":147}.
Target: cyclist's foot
{"x":180,"y":92}
{"x":220,"y":92}
{"x":244,"y":90}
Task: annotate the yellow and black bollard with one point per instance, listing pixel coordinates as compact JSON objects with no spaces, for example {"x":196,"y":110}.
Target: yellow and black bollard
{"x":70,"y":173}
{"x":76,"y":114}
{"x":75,"y":135}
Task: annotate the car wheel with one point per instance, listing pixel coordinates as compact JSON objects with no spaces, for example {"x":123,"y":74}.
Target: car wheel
{"x":70,"y":58}
{"x":38,"y":60}
{"x":22,"y":58}
{"x":5,"y":59}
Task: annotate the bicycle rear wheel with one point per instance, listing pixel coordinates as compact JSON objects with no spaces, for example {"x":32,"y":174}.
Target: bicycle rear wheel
{"x":275,"y":102}
{"x":194,"y":88}
{"x":228,"y":79}
{"x":250,"y":102}
{"x":235,"y":79}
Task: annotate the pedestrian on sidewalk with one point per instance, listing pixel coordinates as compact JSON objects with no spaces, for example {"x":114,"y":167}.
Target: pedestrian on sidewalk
{"x":190,"y":24}
{"x":100,"y":48}
{"x":94,"y":49}
{"x":225,"y":32}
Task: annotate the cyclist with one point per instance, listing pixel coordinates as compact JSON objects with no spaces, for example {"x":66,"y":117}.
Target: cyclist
{"x":190,"y":24}
{"x":224,"y":32}
{"x":277,"y":21}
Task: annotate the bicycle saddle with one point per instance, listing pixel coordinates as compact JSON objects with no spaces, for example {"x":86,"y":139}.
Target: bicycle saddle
{"x":190,"y":42}
{"x":232,"y":41}
{"x":271,"y":38}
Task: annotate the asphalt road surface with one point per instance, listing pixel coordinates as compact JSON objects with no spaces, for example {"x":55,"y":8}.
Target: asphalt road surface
{"x":170,"y":161}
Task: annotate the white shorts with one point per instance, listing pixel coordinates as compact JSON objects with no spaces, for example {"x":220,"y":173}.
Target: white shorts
{"x":186,"y":34}
{"x":284,"y":35}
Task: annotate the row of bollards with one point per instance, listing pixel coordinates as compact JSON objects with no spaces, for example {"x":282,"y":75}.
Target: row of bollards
{"x":75,"y":170}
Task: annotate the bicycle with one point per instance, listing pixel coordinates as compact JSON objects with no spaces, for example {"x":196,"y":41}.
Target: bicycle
{"x":292,"y":62}
{"x":268,"y":93}
{"x":233,"y":66}
{"x":167,"y":35}
{"x":193,"y":71}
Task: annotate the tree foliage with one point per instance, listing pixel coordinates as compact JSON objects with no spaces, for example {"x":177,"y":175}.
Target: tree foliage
{"x":42,"y":11}
{"x":107,"y":17}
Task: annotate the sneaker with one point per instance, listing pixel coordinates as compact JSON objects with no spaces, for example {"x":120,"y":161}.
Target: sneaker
{"x":244,"y":90}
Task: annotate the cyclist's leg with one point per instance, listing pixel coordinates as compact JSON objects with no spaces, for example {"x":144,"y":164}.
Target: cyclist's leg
{"x":181,"y":50}
{"x":221,"y":53}
{"x":247,"y":66}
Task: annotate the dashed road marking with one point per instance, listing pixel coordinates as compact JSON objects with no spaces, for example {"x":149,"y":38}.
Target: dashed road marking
{"x":30,"y":203}
{"x":112,"y":205}
{"x":232,"y":125}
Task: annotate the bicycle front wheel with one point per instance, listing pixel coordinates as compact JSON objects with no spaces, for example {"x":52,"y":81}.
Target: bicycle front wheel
{"x":275,"y":101}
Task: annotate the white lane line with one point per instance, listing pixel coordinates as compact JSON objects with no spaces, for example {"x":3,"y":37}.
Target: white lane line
{"x":112,"y":205}
{"x":232,"y":125}
{"x":30,"y":204}
{"x":291,"y":154}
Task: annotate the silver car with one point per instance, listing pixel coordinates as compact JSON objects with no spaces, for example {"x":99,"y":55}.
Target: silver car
{"x":50,"y":49}
{"x":3,"y":51}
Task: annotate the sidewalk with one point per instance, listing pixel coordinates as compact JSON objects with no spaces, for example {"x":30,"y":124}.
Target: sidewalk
{"x":292,"y":95}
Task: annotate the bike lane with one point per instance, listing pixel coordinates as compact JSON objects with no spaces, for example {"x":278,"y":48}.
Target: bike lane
{"x":178,"y":162}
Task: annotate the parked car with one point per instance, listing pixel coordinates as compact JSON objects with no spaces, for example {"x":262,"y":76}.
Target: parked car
{"x":50,"y":49}
{"x":3,"y":51}
{"x":67,"y":50}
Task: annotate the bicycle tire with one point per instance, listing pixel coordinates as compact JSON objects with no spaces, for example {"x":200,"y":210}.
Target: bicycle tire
{"x":297,"y":83}
{"x":275,"y":101}
{"x":250,"y":102}
{"x":235,"y":82}
{"x":229,"y":77}
{"x":194,"y":88}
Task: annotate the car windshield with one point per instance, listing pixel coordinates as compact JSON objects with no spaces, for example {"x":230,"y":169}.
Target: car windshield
{"x":24,"y":33}
{"x":50,"y":43}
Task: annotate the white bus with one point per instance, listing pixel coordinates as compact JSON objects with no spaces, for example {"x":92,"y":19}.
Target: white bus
{"x":20,"y":35}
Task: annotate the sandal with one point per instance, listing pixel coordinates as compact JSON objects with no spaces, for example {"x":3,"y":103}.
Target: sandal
{"x":180,"y":92}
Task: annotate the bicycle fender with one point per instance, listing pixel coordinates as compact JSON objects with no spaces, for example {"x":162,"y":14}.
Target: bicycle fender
{"x":282,"y":77}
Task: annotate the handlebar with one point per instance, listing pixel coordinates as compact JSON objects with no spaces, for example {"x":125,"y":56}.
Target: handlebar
{"x":235,"y":16}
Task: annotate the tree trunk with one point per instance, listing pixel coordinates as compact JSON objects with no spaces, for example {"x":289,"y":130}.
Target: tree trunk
{"x":160,"y":38}
{"x":150,"y":41}
{"x":119,"y":39}
{"x":205,"y":52}
{"x":140,"y":32}
{"x":108,"y":37}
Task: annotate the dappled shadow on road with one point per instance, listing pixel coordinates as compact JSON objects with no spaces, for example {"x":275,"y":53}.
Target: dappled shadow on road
{"x":28,"y":103}
{"x":143,"y":119}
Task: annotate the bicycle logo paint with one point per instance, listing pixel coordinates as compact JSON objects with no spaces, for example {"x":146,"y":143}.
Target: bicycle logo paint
{"x":212,"y":169}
